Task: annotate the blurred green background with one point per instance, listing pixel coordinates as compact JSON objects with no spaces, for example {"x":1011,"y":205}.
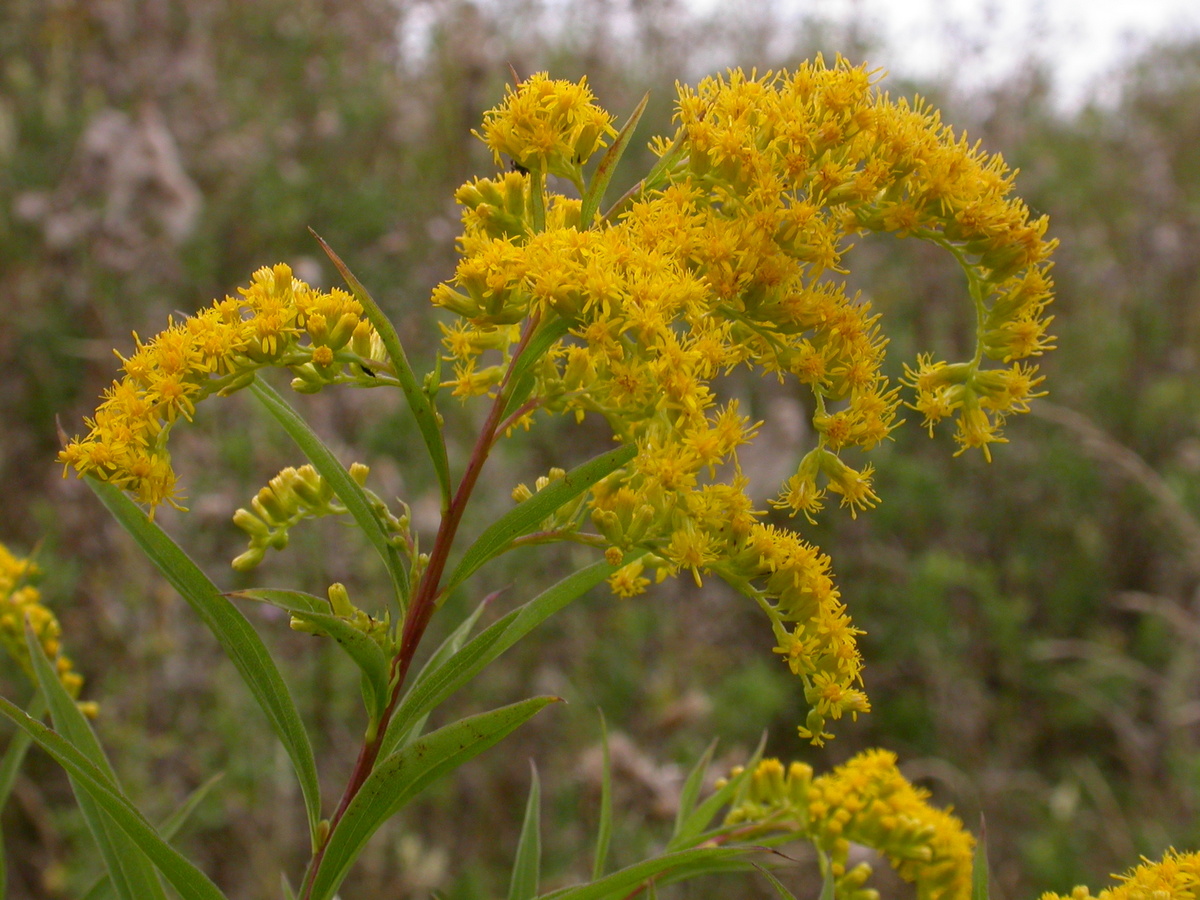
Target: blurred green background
{"x":1033,"y":625}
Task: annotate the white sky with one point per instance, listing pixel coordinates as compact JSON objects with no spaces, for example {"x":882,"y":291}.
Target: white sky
{"x":1083,"y":38}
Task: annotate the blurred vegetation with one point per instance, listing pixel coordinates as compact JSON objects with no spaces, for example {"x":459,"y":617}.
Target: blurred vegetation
{"x":1033,"y":647}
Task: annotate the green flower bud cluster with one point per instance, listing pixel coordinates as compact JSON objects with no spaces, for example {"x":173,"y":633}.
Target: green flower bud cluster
{"x":297,"y":494}
{"x":378,"y":630}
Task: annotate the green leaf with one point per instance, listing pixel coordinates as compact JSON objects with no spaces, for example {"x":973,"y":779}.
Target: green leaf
{"x":691,"y":788}
{"x":604,"y":831}
{"x":9,"y":767}
{"x":451,"y":645}
{"x":527,"y":515}
{"x":441,"y":682}
{"x":288,"y":601}
{"x":360,"y":647}
{"x":418,"y":401}
{"x":285,"y":887}
{"x":979,"y":871}
{"x":398,"y":778}
{"x":521,"y":378}
{"x":17,"y":748}
{"x":185,"y":878}
{"x":527,"y":867}
{"x":347,"y":489}
{"x":608,"y":165}
{"x":698,"y":820}
{"x":132,"y":874}
{"x":827,"y":886}
{"x":657,"y":174}
{"x":170,"y":827}
{"x":621,"y":882}
{"x":775,"y":882}
{"x":236,"y":636}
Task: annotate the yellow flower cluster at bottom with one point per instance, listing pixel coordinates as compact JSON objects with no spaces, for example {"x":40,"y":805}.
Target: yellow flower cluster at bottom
{"x":869,"y":802}
{"x":21,"y":602}
{"x":1175,"y":877}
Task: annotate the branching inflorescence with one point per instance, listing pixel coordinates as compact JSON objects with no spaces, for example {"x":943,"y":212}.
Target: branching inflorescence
{"x":728,"y":254}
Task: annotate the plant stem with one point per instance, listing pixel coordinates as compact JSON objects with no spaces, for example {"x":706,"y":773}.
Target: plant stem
{"x":423,"y":603}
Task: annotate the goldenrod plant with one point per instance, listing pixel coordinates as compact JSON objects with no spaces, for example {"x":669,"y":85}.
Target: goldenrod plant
{"x":728,"y":254}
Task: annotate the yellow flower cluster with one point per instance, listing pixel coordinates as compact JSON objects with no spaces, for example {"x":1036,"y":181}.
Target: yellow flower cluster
{"x":866,"y":801}
{"x":1175,"y":877}
{"x":21,"y":602}
{"x":548,"y":126}
{"x":218,"y":350}
{"x":729,"y":259}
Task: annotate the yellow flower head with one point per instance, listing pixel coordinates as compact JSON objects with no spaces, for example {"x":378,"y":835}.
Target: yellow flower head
{"x":1175,"y":877}
{"x":218,"y":351}
{"x":21,"y":603}
{"x":547,"y":125}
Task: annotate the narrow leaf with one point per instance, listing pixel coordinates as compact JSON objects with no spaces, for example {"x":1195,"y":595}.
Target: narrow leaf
{"x":17,"y":748}
{"x":9,"y":767}
{"x":289,"y":601}
{"x":366,"y":653}
{"x":637,"y":874}
{"x":451,"y":645}
{"x":782,"y":891}
{"x":527,"y":515}
{"x":285,"y":887}
{"x":608,"y":165}
{"x":464,"y":665}
{"x":521,"y":378}
{"x":132,"y":874}
{"x":698,"y":820}
{"x":980,"y":888}
{"x":657,"y":174}
{"x":418,"y":401}
{"x":527,"y":867}
{"x":185,"y":878}
{"x":827,"y":886}
{"x":604,"y":831}
{"x":346,"y":488}
{"x":236,"y":636}
{"x":397,"y":779}
{"x":691,"y":788}
{"x":169,"y":829}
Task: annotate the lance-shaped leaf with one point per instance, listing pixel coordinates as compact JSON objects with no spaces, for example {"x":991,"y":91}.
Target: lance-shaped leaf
{"x":604,"y":831}
{"x":655,"y":177}
{"x":418,"y":400}
{"x":188,"y":881}
{"x":398,"y":778}
{"x":237,"y":637}
{"x":780,"y":889}
{"x":827,"y":885}
{"x":694,"y":824}
{"x":608,"y":165}
{"x":691,"y":788}
{"x":451,"y":645}
{"x":433,"y":688}
{"x":527,"y":866}
{"x":346,"y":488}
{"x":528,"y":514}
{"x":366,"y":653}
{"x":171,"y":826}
{"x":132,"y":874}
{"x":980,"y":888}
{"x":9,"y":766}
{"x":620,"y":883}
{"x":521,"y":378}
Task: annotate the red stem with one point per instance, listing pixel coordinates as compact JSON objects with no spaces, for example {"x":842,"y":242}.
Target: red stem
{"x":424,"y":601}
